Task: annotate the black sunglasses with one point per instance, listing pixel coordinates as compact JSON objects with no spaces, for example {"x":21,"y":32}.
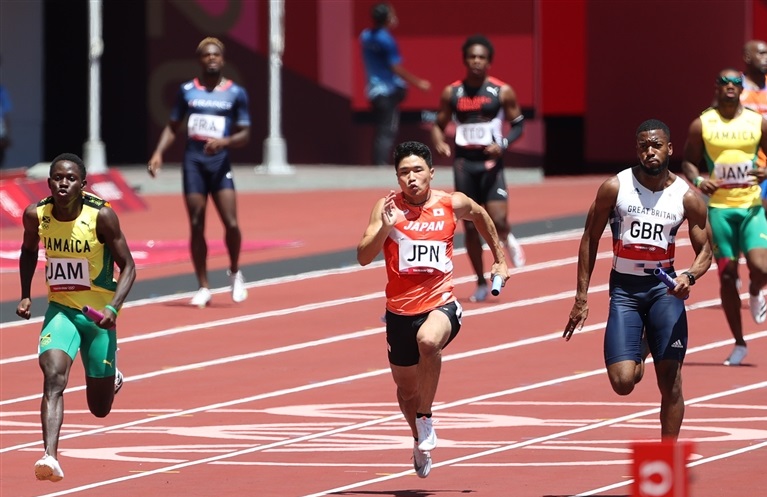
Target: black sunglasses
{"x":725,"y":80}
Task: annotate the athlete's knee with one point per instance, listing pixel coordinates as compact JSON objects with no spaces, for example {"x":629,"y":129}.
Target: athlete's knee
{"x":197,"y":227}
{"x":54,"y":382}
{"x":623,"y":387}
{"x":501,"y":223}
{"x":503,"y":230}
{"x":638,"y":374}
{"x":669,"y":380}
{"x":197,"y":223}
{"x":728,"y":270}
{"x":469,"y":228}
{"x":429,"y":346}
{"x":729,"y":277}
{"x":670,"y":392}
{"x":231,"y":226}
{"x":622,"y":383}
{"x":407,"y":392}
{"x":758,"y":269}
{"x":54,"y":375}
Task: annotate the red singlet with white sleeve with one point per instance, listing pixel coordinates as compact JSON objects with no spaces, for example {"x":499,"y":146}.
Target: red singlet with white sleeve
{"x":418,"y":255}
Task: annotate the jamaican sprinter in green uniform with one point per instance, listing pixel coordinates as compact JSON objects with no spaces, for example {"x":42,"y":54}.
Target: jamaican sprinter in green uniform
{"x":83,"y":243}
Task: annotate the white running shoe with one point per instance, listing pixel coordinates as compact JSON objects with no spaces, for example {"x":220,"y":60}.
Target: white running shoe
{"x":427,"y":437}
{"x":480,"y":294}
{"x":201,"y":298}
{"x":736,"y":356}
{"x":515,"y":251}
{"x":239,"y":292}
{"x":758,"y":307}
{"x":118,"y":380}
{"x":421,"y":461}
{"x":48,"y":468}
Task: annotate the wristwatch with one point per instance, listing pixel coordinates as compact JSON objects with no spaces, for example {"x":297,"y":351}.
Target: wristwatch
{"x":689,"y":277}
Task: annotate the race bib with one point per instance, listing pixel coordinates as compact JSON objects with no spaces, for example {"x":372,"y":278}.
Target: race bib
{"x":67,"y":275}
{"x":423,"y":256}
{"x":734,"y":175}
{"x":641,"y":235}
{"x":476,"y":134}
{"x":203,"y":126}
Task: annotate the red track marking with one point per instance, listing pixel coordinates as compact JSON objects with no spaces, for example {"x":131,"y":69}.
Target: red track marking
{"x":290,"y":416}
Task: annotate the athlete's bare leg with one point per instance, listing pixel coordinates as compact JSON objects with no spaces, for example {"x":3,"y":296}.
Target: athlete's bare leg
{"x":406,"y":379}
{"x":432,"y":337}
{"x":623,"y":376}
{"x":417,"y":385}
{"x":100,"y":393}
{"x":728,"y":292}
{"x":756,"y":260}
{"x":226,"y":204}
{"x":669,"y":375}
{"x":55,"y":365}
{"x":497,"y":210}
{"x":195,"y":206}
{"x":474,"y":251}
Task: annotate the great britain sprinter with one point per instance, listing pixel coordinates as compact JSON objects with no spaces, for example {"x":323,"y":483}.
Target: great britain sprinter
{"x":645,"y":206}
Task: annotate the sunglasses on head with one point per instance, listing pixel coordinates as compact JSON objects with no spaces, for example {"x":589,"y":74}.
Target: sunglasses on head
{"x":725,"y":80}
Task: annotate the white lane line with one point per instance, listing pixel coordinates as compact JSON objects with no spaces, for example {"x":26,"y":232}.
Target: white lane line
{"x":545,"y":438}
{"x":540,"y":239}
{"x":315,"y":343}
{"x":334,"y":303}
{"x":394,"y":417}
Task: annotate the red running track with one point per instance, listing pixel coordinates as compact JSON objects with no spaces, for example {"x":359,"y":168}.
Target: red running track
{"x":289,"y":394}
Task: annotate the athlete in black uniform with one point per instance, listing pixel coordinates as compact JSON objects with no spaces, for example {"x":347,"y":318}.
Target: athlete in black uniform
{"x":480,"y":104}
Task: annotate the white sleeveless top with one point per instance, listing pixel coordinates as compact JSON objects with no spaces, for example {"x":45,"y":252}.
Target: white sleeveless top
{"x":644,"y":225}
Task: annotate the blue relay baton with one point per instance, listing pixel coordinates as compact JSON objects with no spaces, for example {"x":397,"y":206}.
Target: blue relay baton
{"x":666,"y":279}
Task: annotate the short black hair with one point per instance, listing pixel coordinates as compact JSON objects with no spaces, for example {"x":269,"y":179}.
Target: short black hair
{"x":380,"y":13}
{"x":478,"y":39}
{"x":406,"y":149}
{"x":652,"y":124}
{"x":70,"y":158}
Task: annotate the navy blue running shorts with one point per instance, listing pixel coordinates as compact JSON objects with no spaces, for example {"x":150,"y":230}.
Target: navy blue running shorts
{"x":642,"y":303}
{"x":206,"y":174}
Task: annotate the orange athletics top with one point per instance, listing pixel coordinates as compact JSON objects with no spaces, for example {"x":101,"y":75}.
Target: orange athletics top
{"x":756,"y":99}
{"x":418,"y":255}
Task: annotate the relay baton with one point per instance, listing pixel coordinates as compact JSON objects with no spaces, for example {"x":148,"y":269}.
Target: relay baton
{"x":93,"y":314}
{"x":665,"y":278}
{"x":497,"y":284}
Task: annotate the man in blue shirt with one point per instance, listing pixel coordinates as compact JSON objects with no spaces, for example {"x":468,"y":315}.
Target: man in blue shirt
{"x":386,"y":79}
